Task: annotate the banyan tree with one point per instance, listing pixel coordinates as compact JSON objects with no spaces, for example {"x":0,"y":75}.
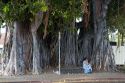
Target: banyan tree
{"x":35,"y":25}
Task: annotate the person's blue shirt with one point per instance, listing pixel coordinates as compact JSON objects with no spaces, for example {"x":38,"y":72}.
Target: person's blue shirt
{"x":87,"y":67}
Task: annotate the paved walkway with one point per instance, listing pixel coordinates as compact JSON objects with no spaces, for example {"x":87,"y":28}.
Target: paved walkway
{"x":63,"y":78}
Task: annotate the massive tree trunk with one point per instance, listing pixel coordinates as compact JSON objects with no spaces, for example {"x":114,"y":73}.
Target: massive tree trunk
{"x":102,"y":58}
{"x":85,"y":42}
{"x":40,"y":53}
{"x":69,"y":49}
{"x":36,"y":55}
{"x":36,"y":47}
{"x":10,"y":69}
{"x":45,"y":54}
{"x":85,"y":37}
{"x":7,"y":47}
{"x":20,"y":58}
{"x":93,"y":39}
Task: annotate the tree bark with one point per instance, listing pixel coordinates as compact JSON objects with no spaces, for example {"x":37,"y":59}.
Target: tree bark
{"x":11,"y":67}
{"x":85,"y":37}
{"x":122,"y":41}
{"x":45,"y":54}
{"x":69,"y":50}
{"x":36,"y":49}
{"x":20,"y":57}
{"x":36,"y":55}
{"x":85,"y":45}
{"x":102,"y":58}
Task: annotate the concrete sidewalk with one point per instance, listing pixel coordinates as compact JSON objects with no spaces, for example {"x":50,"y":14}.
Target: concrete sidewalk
{"x":64,"y":78}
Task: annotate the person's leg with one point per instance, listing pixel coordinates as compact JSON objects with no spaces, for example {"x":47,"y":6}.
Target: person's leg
{"x":85,"y":69}
{"x":90,"y":68}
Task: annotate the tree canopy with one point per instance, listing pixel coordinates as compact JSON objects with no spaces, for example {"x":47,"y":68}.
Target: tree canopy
{"x":116,"y":15}
{"x":12,"y":10}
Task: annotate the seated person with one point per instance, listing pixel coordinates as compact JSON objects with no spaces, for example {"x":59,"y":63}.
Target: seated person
{"x":86,"y":66}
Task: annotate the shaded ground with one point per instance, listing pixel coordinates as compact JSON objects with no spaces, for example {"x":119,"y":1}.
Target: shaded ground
{"x":65,"y":78}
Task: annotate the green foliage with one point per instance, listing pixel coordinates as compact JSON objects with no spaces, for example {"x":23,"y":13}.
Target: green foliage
{"x":39,"y":6}
{"x":67,"y":9}
{"x":63,"y":13}
{"x":18,"y":9}
{"x":6,"y":9}
{"x":116,"y":15}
